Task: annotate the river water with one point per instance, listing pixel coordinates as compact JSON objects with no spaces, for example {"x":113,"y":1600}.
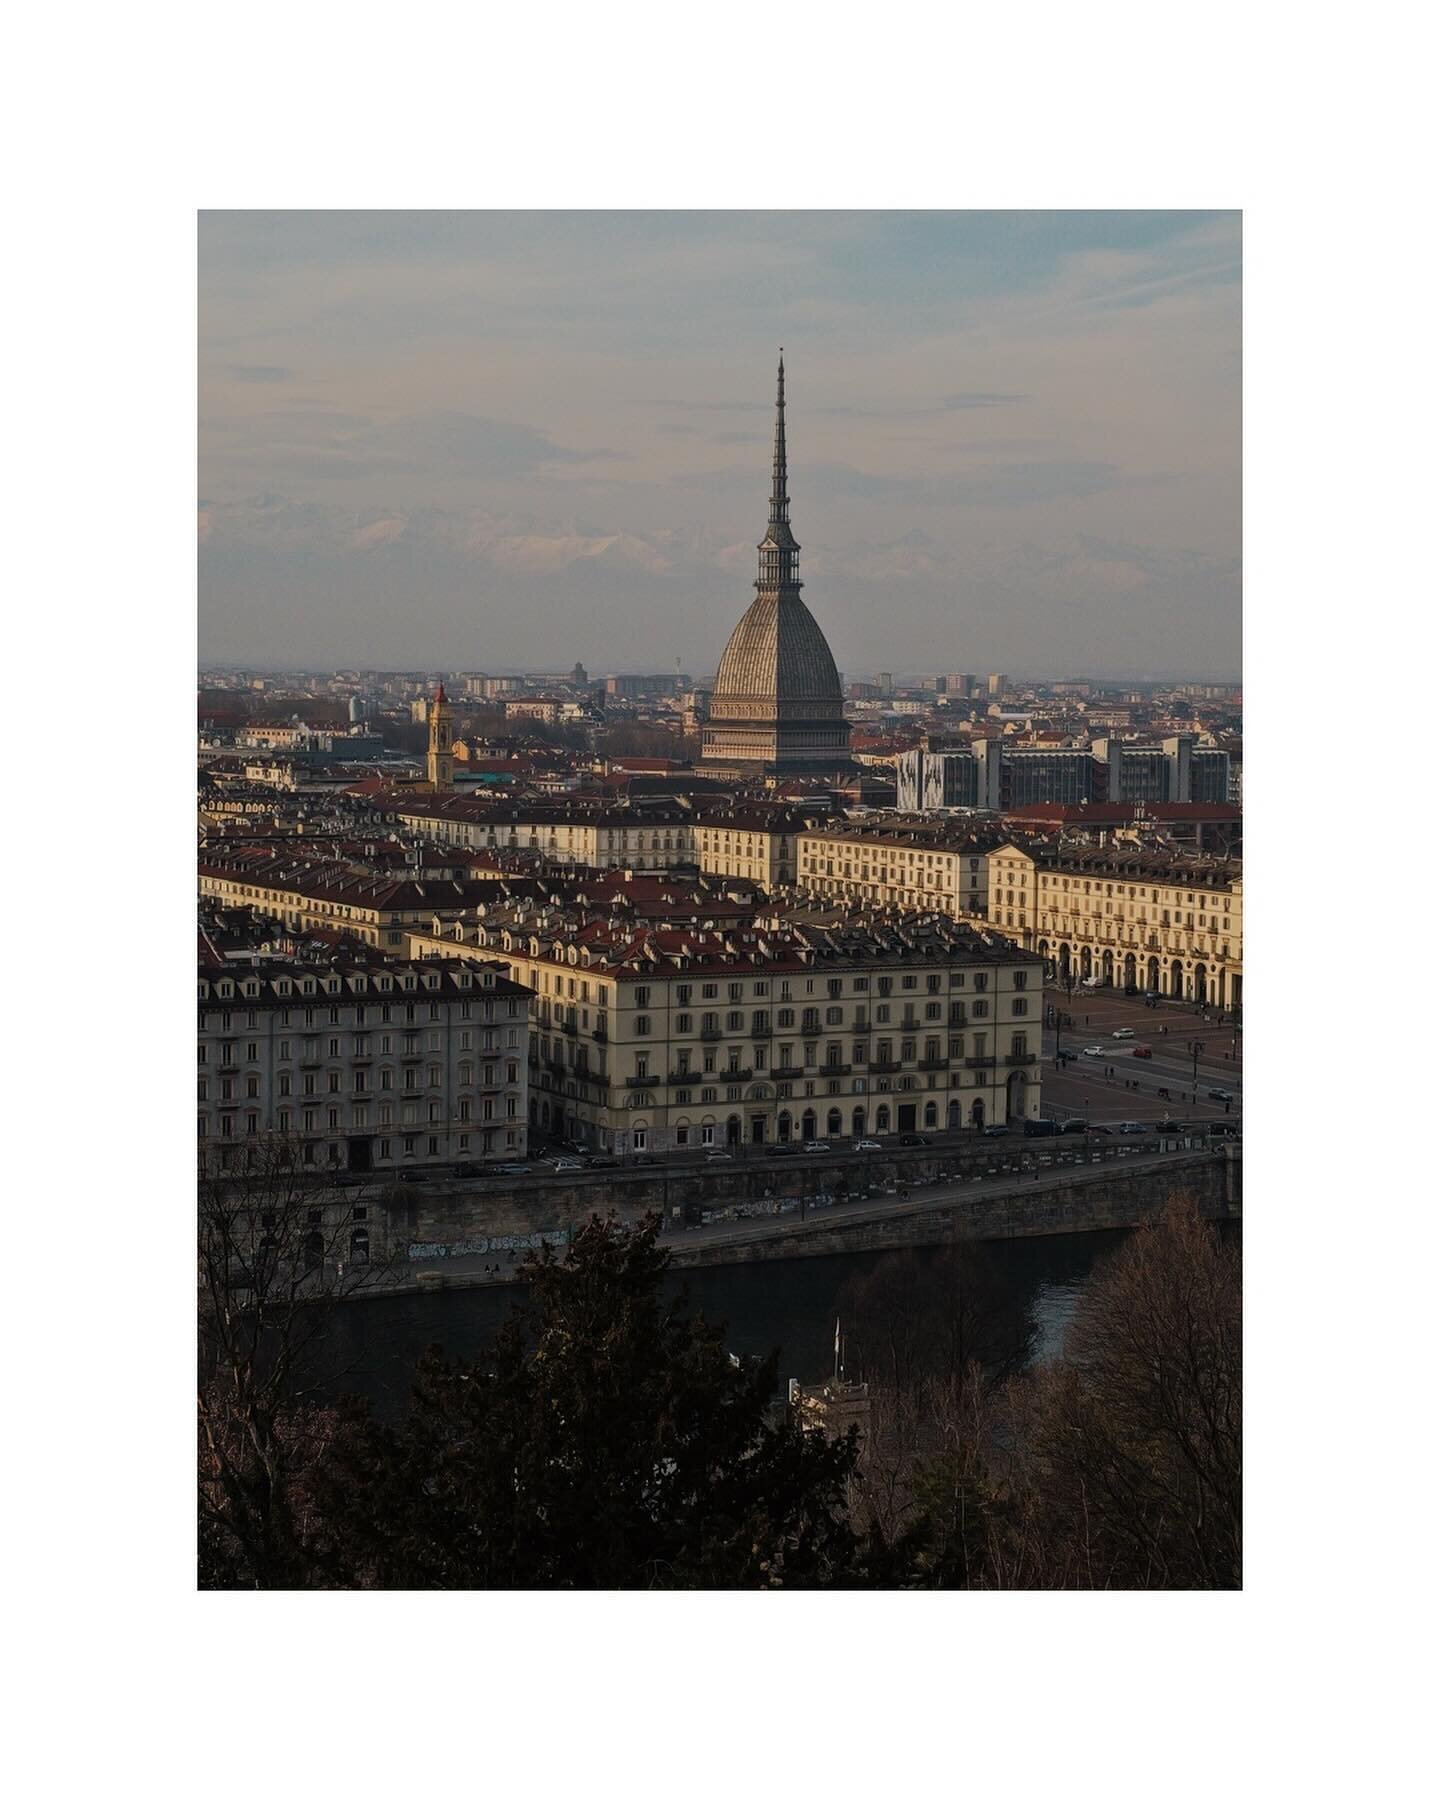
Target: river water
{"x":371,"y":1346}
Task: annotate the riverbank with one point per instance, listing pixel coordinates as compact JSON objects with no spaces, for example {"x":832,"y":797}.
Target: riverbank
{"x":1044,"y":1202}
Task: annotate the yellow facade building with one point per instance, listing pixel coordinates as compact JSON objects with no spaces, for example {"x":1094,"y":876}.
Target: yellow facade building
{"x":1126,"y":918}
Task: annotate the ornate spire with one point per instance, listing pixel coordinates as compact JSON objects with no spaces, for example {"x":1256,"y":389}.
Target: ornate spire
{"x":779,"y":552}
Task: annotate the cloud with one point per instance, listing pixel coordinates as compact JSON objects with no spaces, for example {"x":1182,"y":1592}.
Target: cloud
{"x":259,"y":372}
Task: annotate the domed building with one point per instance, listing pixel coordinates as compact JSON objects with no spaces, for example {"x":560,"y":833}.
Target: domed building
{"x":776,"y":707}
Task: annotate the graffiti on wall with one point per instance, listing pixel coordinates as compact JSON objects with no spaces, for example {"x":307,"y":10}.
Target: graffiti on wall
{"x":486,"y":1246}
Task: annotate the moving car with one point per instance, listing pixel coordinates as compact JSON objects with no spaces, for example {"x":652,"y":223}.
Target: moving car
{"x":718,"y":1156}
{"x":814,"y":1147}
{"x":913,"y":1140}
{"x":1129,"y":1127}
{"x":1072,"y":1125}
{"x":1104,"y":1130}
{"x":868,"y":1144}
{"x":1095,"y":1050}
{"x":1124,"y":1032}
{"x":1142,"y":1050}
{"x":1093,"y":981}
{"x":1041,"y":1128}
{"x":1218,"y":1093}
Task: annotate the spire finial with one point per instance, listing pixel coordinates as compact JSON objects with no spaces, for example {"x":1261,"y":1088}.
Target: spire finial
{"x":778,"y":551}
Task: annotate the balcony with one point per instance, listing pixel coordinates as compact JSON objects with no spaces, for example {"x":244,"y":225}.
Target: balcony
{"x":882,"y":1065}
{"x":570,"y":1030}
{"x":758,"y":1031}
{"x":834,"y":1068}
{"x":686,"y":1077}
{"x":711,"y":1034}
{"x":1019,"y":1060}
{"x":932,"y":1064}
{"x":600,"y":1035}
{"x":979,"y":1062}
{"x":642,"y":1081}
{"x":733,"y":1074}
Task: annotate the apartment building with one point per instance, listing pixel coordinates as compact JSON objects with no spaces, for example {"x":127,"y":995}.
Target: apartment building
{"x":306,"y":893}
{"x":764,"y":1030}
{"x":912,"y":864}
{"x":613,"y":839}
{"x":1167,"y":924}
{"x":367,"y":1064}
{"x":757,"y":843}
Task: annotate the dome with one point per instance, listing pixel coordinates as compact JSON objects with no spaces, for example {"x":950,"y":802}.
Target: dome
{"x":777,"y":652}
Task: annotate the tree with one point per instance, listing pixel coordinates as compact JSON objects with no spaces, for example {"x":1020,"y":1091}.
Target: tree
{"x":274,"y":1251}
{"x":605,"y":1440}
{"x":933,"y":1335}
{"x":1125,"y":1456}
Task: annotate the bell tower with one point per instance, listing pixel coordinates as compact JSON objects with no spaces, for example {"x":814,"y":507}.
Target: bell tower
{"x":440,"y":759}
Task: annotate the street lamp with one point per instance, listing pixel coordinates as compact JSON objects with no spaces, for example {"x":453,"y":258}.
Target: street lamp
{"x":1196,"y":1046}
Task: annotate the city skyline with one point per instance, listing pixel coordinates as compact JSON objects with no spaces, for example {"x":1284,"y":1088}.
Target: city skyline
{"x":485,"y":440}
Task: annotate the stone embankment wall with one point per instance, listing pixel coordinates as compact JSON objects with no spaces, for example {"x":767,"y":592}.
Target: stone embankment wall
{"x":1118,"y":1202}
{"x":1113,"y":1195}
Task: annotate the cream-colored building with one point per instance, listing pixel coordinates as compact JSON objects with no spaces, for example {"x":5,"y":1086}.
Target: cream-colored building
{"x":595,"y":840}
{"x":1163,"y":924}
{"x":756,"y":844}
{"x":914,"y":866}
{"x":768,"y":1031}
{"x":305,"y":894}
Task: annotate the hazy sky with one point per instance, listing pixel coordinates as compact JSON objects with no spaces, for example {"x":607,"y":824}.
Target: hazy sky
{"x":480,"y":440}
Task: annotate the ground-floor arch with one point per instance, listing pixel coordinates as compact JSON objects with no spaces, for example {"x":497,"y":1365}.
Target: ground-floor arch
{"x":1015,"y":1095}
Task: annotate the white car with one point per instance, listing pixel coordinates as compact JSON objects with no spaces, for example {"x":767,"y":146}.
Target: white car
{"x":1094,"y":1050}
{"x":718,"y":1156}
{"x":567,"y":1165}
{"x":814,"y":1147}
{"x":867,"y":1144}
{"x":1123,"y":1032}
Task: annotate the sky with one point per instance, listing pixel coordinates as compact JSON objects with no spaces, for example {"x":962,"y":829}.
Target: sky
{"x":491,"y":440}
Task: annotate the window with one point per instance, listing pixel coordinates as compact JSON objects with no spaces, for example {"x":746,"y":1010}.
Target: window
{"x":642,"y":1025}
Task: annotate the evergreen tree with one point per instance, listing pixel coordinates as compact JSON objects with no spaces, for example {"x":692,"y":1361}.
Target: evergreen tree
{"x":606,"y":1439}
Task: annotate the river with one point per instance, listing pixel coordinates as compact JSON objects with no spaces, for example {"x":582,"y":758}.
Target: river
{"x":371,"y":1346}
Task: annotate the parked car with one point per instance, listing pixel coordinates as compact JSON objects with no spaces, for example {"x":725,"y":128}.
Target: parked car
{"x":868,"y":1144}
{"x":781,"y":1150}
{"x":644,"y":1162}
{"x":1096,"y":1050}
{"x":1124,"y":1032}
{"x":512,"y":1169}
{"x":1093,"y":981}
{"x":1072,"y":1125}
{"x":997,"y":1131}
{"x":1103,"y":1130}
{"x":463,"y":1171}
{"x":413,"y":1175}
{"x":603,"y":1162}
{"x":1142,"y":1050}
{"x":718,"y":1156}
{"x":568,"y":1165}
{"x":814,"y":1147}
{"x":1224,"y":1128}
{"x":1130,"y":1127}
{"x":1218,"y":1093}
{"x":1041,"y":1128}
{"x":912,"y":1140}
{"x":1131,"y":990}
